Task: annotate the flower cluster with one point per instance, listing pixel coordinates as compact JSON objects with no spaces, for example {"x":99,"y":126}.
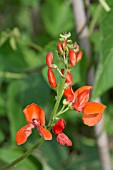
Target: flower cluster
{"x":70,"y":54}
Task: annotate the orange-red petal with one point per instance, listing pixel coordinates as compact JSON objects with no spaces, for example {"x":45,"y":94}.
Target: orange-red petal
{"x":45,"y":133}
{"x":81,"y":100}
{"x":64,"y":140}
{"x":92,"y":113}
{"x":69,"y":94}
{"x":91,"y":119}
{"x":81,"y":89}
{"x":23,"y":134}
{"x":93,"y":108}
{"x":34,"y":112}
{"x":59,"y":126}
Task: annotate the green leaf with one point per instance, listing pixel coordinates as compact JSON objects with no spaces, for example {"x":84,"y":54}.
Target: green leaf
{"x":2,"y":137}
{"x":3,"y":37}
{"x":59,"y":19}
{"x":8,"y":155}
{"x":12,"y":42}
{"x":104,"y":74}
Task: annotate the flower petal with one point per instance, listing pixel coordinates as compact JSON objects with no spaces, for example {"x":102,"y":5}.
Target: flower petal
{"x":93,"y":108}
{"x":23,"y":134}
{"x":64,"y":140}
{"x":34,"y":112}
{"x":81,"y":89}
{"x":81,"y":100}
{"x":59,"y":126}
{"x":91,"y":119}
{"x":69,"y":94}
{"x":45,"y":133}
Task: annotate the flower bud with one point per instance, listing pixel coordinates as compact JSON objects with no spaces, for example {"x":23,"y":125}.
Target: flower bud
{"x":72,"y":57}
{"x":79,"y":56}
{"x":49,"y":59}
{"x":60,"y":47}
{"x":69,"y":79}
{"x":64,"y":44}
{"x":52,"y":78}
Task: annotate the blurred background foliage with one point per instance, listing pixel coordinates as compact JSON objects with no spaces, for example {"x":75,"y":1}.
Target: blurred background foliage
{"x":28,"y":31}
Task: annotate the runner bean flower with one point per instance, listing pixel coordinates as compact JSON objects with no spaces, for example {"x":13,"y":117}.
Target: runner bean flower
{"x":35,"y":118}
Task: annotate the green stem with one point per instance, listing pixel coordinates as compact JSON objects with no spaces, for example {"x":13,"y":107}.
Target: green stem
{"x":23,"y":156}
{"x":105,"y":5}
{"x":59,"y":96}
{"x":61,"y":112}
{"x":12,"y":75}
{"x":95,"y":18}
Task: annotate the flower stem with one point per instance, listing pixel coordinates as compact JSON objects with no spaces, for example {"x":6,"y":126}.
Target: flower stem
{"x":25,"y":155}
{"x":61,"y":112}
{"x":59,"y":96}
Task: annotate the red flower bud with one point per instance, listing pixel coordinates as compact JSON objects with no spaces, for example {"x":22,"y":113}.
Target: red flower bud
{"x":69,"y":79}
{"x":60,"y":47}
{"x":52,"y":78}
{"x":72,"y":57}
{"x":64,"y":44}
{"x":49,"y":59}
{"x":79,"y":56}
{"x":59,"y":126}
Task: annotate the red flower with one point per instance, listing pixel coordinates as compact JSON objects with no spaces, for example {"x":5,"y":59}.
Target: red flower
{"x":49,"y":59}
{"x":92,"y":113}
{"x":59,"y":126}
{"x":61,"y":137}
{"x":35,"y":117}
{"x":52,"y":78}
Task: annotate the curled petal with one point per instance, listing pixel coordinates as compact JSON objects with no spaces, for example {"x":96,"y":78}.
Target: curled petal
{"x":34,"y":112}
{"x":59,"y":126}
{"x":23,"y":134}
{"x":69,"y":94}
{"x":52,"y":78}
{"x":49,"y":59}
{"x":64,"y":140}
{"x":93,"y":108}
{"x":91,"y":119}
{"x":81,"y":100}
{"x":81,"y":89}
{"x":44,"y":132}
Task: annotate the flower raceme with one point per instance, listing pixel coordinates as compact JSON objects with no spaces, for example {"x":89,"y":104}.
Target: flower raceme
{"x":35,"y":118}
{"x":92,"y":111}
{"x":61,"y":137}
